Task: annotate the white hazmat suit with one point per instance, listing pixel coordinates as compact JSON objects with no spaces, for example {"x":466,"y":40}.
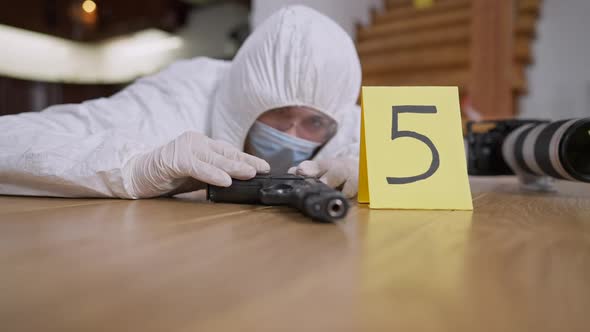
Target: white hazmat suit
{"x":191,"y":120}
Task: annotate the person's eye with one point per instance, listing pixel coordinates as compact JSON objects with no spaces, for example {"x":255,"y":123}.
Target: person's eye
{"x":318,"y":122}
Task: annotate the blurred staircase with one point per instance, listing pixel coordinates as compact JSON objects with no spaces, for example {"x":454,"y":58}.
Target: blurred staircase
{"x":481,"y":46}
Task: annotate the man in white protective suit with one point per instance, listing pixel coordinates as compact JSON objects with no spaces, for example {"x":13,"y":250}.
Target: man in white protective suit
{"x":287,"y":102}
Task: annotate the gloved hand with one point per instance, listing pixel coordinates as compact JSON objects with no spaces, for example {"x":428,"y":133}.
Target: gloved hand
{"x":336,"y":173}
{"x":191,"y":161}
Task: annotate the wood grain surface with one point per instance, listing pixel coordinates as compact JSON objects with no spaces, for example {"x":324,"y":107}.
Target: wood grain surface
{"x":518,"y":262}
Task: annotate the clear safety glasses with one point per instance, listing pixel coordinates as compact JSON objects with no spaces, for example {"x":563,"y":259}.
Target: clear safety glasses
{"x":302,"y":122}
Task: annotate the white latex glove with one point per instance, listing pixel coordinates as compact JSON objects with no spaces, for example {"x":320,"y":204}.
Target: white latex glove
{"x":336,"y":173}
{"x":191,"y":161}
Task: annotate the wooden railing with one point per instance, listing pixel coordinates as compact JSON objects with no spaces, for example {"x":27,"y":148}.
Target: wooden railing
{"x":482,"y":46}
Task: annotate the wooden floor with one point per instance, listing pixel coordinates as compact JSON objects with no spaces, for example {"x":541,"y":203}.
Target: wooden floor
{"x":519,"y":262}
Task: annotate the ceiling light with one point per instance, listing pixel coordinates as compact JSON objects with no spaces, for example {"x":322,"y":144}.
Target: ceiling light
{"x":89,"y":6}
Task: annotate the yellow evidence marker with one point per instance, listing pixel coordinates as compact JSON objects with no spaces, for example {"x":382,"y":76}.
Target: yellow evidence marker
{"x":412,"y":152}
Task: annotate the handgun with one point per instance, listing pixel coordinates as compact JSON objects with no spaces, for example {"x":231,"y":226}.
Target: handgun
{"x":310,"y":196}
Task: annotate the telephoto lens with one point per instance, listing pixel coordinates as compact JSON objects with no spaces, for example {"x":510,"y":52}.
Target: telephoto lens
{"x":557,"y":149}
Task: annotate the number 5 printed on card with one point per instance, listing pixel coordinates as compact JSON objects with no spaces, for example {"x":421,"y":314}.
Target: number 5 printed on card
{"x":412,"y":153}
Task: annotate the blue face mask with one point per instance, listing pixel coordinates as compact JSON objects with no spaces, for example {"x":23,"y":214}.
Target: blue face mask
{"x":280,"y":150}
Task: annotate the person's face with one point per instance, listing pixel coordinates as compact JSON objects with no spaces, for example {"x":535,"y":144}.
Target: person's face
{"x":302,"y":122}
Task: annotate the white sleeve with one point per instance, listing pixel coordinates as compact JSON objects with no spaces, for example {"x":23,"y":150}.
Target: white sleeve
{"x":80,"y":150}
{"x":64,"y":165}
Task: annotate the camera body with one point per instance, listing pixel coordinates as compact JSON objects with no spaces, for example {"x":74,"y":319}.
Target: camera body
{"x":534,"y":150}
{"x":484,"y":148}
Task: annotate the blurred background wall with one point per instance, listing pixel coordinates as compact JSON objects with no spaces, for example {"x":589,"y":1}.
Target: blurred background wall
{"x":347,"y":13}
{"x":560,"y":78}
{"x":68,"y":51}
{"x":510,"y":58}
